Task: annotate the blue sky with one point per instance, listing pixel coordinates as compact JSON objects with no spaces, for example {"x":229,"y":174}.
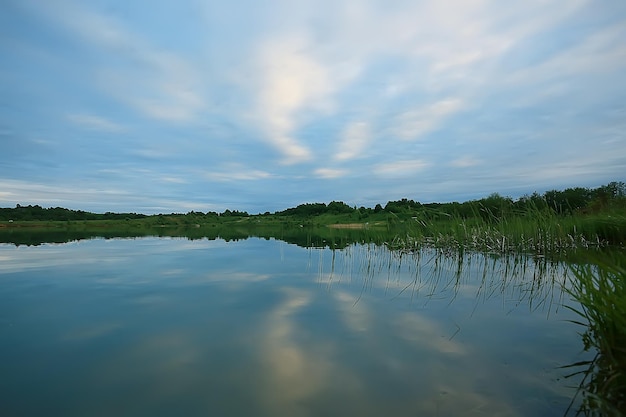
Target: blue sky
{"x":162,"y":106}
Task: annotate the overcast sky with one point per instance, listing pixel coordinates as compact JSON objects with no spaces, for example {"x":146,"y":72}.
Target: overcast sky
{"x":172,"y":106}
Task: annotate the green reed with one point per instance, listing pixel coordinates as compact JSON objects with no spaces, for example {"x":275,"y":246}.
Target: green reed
{"x":600,"y":288}
{"x":533,"y":231}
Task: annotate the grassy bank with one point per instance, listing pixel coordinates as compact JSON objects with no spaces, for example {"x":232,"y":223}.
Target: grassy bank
{"x":547,"y":224}
{"x":532,"y":231}
{"x":539,"y":233}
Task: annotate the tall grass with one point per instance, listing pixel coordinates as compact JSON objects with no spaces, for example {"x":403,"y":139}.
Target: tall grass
{"x":600,"y":289}
{"x":534,"y":231}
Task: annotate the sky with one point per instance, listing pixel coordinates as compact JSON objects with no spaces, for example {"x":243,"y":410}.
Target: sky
{"x":171,"y":106}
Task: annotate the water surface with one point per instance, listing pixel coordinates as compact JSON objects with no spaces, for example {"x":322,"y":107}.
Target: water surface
{"x":170,"y":326}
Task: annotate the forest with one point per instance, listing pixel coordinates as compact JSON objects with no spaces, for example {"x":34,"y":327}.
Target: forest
{"x":611,"y":196}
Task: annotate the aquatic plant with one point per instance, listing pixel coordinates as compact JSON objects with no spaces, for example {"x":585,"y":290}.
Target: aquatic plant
{"x":600,"y":288}
{"x":533,"y":231}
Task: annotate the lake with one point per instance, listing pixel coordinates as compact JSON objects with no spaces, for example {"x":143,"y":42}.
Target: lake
{"x":260,"y":327}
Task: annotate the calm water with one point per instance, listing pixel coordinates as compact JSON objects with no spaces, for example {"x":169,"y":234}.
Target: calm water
{"x":163,"y":327}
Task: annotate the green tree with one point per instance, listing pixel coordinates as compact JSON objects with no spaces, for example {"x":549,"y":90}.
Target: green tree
{"x":339,"y":207}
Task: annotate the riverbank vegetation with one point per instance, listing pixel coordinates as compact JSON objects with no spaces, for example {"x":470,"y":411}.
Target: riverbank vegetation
{"x":600,"y":288}
{"x":540,"y":224}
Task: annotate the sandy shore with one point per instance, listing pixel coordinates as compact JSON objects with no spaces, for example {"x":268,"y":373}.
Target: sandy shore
{"x":348,"y":226}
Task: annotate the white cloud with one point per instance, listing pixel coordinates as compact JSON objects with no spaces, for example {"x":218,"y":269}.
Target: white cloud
{"x":27,"y":192}
{"x":417,"y":122}
{"x":465,"y":162}
{"x":602,"y":52}
{"x":330,"y":173}
{"x":173,"y":180}
{"x":291,"y":80}
{"x":236,"y":172}
{"x":94,"y":122}
{"x":401,"y":168}
{"x":150,"y":153}
{"x":94,"y":196}
{"x":606,"y":162}
{"x":294,"y":73}
{"x":158,"y":83}
{"x":292,"y":372}
{"x":356,"y":137}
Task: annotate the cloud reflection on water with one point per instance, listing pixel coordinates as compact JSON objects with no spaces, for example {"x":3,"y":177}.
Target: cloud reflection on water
{"x":292,"y":373}
{"x":241,"y":333}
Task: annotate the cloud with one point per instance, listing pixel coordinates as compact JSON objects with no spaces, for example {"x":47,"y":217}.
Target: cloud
{"x":97,"y":197}
{"x":158,"y":83}
{"x":236,"y":172}
{"x":214,"y":101}
{"x":330,"y":173}
{"x":292,"y":80}
{"x":355,"y":139}
{"x":293,"y":372}
{"x":588,"y":168}
{"x":26,"y":192}
{"x":403,"y":168}
{"x":601,"y":52}
{"x":465,"y":162}
{"x":414,"y":123}
{"x":173,"y":180}
{"x":464,"y":39}
{"x":94,"y":122}
{"x":150,"y":153}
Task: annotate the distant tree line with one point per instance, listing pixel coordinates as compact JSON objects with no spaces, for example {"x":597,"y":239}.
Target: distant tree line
{"x":563,"y":202}
{"x":316,"y":209}
{"x":494,"y":206}
{"x":37,"y":212}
